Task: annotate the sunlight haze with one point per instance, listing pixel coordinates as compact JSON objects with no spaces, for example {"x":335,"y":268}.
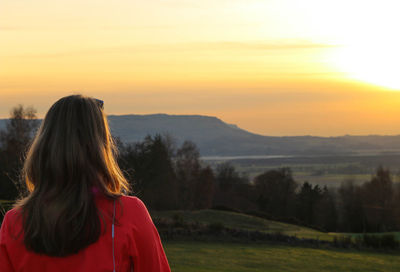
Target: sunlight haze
{"x":278,"y":67}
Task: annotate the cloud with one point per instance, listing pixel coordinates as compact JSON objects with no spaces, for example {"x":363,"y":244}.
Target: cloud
{"x":88,"y":27}
{"x":134,"y":27}
{"x":282,"y":45}
{"x":263,"y":45}
{"x":288,"y":45}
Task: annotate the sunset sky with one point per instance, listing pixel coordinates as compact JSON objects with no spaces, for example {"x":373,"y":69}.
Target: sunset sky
{"x":274,"y":67}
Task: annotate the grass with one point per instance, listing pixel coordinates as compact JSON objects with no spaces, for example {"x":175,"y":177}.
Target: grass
{"x":245,"y":222}
{"x":248,"y":222}
{"x":354,"y":235}
{"x":232,"y":257}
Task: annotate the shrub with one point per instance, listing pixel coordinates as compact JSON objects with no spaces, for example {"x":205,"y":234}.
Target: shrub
{"x":178,"y":220}
{"x":216,"y":227}
{"x":343,"y":241}
{"x":386,"y":241}
{"x":389,"y":241}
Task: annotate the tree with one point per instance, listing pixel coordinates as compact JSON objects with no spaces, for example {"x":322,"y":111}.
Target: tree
{"x":232,"y":189}
{"x":307,"y":200}
{"x":204,"y":189}
{"x":396,"y":204}
{"x":14,"y":143}
{"x":151,"y":172}
{"x":227,"y":177}
{"x":187,"y":167}
{"x":326,"y":211}
{"x":352,"y":216}
{"x":378,"y":201}
{"x":276,"y":192}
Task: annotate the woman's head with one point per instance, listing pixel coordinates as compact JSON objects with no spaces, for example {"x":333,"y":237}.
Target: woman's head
{"x":73,"y":149}
{"x":72,"y":153}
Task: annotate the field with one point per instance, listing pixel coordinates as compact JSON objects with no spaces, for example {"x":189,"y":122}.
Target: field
{"x":213,"y":257}
{"x":267,"y":256}
{"x":329,"y":170}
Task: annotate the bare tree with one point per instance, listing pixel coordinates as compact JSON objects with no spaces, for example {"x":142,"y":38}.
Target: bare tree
{"x":14,"y":143}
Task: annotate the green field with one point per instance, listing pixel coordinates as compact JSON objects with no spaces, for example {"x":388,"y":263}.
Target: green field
{"x":229,"y":256}
{"x":232,"y":257}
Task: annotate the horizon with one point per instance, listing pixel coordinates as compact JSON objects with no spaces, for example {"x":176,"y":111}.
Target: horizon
{"x":277,"y":67}
{"x":233,"y":124}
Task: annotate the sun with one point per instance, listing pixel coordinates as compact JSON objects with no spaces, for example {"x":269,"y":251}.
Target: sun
{"x":372,"y":62}
{"x":365,"y":35}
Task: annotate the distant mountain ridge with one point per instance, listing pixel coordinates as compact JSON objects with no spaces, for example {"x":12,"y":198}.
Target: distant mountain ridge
{"x":217,"y":138}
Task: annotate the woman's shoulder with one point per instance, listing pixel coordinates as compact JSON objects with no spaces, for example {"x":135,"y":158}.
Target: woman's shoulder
{"x":134,"y":206}
{"x":13,"y":215}
{"x":12,"y":224}
{"x":132,"y":201}
{"x":137,"y":217}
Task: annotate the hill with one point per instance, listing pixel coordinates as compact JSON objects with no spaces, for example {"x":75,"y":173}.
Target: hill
{"x":217,"y":138}
{"x":244,"y":222}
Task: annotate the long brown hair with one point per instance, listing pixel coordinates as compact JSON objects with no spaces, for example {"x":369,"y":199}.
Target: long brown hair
{"x":72,"y":153}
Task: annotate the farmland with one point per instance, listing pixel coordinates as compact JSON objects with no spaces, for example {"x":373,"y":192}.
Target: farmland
{"x":329,"y":170}
{"x":213,"y":256}
{"x":232,"y":257}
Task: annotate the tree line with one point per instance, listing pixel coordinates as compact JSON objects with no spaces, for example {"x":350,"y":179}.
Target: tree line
{"x":170,"y":177}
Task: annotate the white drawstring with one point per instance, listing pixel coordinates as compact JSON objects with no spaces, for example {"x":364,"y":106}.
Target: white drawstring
{"x":112,"y":235}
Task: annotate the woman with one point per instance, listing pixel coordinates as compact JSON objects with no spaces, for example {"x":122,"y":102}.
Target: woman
{"x":76,"y":216}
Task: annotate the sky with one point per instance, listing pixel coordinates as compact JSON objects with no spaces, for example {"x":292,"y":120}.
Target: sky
{"x":273,"y":67}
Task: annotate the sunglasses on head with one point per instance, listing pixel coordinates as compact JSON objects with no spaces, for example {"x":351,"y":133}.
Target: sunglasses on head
{"x":100,"y":103}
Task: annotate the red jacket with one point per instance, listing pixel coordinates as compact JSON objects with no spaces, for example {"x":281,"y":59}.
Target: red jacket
{"x":136,"y":241}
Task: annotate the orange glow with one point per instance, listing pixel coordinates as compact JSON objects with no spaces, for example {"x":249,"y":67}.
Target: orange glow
{"x":278,"y":67}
